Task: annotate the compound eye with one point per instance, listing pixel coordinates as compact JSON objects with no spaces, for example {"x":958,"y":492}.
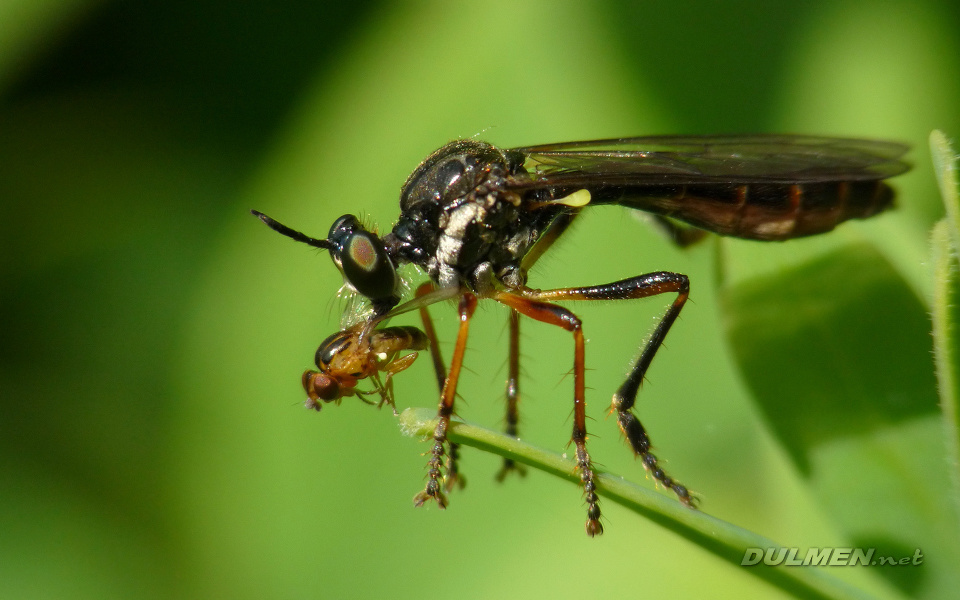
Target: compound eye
{"x":367,"y":267}
{"x":320,"y":386}
{"x":362,"y":259}
{"x":343,"y":227}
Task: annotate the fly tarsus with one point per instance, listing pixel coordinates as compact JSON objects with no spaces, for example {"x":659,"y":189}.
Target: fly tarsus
{"x":639,"y":442}
{"x":589,"y":480}
{"x":433,"y":488}
{"x":454,"y":479}
{"x":509,"y":466}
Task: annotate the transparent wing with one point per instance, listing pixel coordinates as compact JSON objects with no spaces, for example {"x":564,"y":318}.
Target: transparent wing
{"x":685,"y":160}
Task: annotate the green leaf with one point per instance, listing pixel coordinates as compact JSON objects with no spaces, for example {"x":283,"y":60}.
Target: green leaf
{"x":835,"y":348}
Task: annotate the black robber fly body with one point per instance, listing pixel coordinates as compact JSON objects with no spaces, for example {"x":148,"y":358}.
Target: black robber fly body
{"x":475,"y":218}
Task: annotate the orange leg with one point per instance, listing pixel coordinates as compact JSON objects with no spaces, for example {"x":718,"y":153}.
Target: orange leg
{"x":454,"y":478}
{"x":468,"y":304}
{"x":557,"y":315}
{"x":438,"y":366}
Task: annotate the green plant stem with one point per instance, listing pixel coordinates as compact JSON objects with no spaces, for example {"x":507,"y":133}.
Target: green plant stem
{"x":945,"y":358}
{"x":718,"y":537}
{"x":945,"y":167}
{"x":945,"y":247}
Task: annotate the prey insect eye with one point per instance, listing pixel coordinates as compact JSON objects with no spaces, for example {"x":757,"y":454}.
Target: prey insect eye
{"x":320,"y":386}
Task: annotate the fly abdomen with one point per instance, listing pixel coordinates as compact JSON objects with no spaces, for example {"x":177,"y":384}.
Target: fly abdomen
{"x":761,"y":211}
{"x":844,"y":200}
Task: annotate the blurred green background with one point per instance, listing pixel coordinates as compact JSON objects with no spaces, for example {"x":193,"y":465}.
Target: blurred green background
{"x":152,"y":438}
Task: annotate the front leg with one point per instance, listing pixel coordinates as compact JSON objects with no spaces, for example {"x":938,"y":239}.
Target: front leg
{"x":454,"y":478}
{"x":468,"y":304}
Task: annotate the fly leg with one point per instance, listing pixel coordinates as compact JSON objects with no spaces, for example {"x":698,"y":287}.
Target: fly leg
{"x":557,"y":315}
{"x":681,"y":235}
{"x":438,"y":367}
{"x":513,"y":395}
{"x":556,"y":228}
{"x":391,"y":367}
{"x":454,"y":478}
{"x":642,"y":286}
{"x":468,"y":304}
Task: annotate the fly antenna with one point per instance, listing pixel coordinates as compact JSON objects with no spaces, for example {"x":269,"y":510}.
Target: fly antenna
{"x":292,"y":233}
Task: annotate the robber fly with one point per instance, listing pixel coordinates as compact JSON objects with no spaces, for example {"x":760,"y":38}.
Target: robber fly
{"x":475,"y":218}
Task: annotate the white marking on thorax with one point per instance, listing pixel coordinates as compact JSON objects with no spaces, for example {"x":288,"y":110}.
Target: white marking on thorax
{"x":451,"y":241}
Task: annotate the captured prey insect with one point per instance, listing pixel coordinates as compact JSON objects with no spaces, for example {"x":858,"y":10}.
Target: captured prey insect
{"x":475,"y":218}
{"x":348,"y":356}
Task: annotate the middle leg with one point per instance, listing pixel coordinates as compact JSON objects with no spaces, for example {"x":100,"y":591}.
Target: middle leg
{"x":641,"y":286}
{"x":513,"y":395}
{"x":557,"y":315}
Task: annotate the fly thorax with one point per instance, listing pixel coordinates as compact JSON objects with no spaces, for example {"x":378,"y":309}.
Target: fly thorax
{"x":481,"y":236}
{"x":512,"y":276}
{"x":460,"y":242}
